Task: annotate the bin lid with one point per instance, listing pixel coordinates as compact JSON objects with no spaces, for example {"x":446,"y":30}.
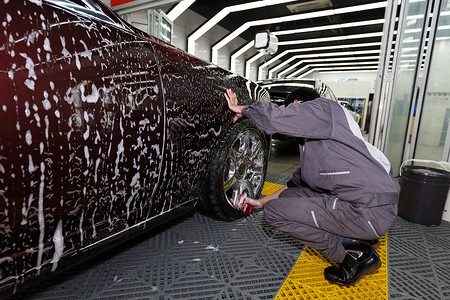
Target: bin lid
{"x":426,"y":171}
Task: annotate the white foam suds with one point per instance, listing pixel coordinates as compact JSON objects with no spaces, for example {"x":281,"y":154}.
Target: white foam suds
{"x":58,"y":240}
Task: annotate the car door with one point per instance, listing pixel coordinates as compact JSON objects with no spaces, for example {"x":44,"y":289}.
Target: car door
{"x":31,"y":163}
{"x":195,"y":120}
{"x":86,"y":132}
{"x":119,"y":145}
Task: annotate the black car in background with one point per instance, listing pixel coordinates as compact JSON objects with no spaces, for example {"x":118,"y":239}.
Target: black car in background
{"x":280,"y":88}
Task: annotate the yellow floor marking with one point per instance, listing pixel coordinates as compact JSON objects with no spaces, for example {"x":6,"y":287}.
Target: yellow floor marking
{"x":306,"y":280}
{"x":270,"y":188}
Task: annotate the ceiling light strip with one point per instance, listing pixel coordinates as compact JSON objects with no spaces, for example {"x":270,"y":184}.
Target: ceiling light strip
{"x":334,"y":68}
{"x":363,"y":64}
{"x":337,"y":70}
{"x":223,"y":13}
{"x":320,"y":28}
{"x":324,"y":13}
{"x":332,"y":39}
{"x":347,"y":68}
{"x":329,"y":27}
{"x":261,"y":68}
{"x":334,"y":72}
{"x":348,"y":53}
{"x":330,"y":59}
{"x":179,"y":9}
{"x":344,"y":53}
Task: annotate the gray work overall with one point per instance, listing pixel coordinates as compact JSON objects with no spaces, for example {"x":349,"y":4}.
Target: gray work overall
{"x":344,"y":186}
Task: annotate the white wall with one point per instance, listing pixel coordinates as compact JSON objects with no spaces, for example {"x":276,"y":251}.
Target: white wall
{"x":346,"y":76}
{"x":350,"y":77}
{"x":350,"y":89}
{"x":348,"y":84}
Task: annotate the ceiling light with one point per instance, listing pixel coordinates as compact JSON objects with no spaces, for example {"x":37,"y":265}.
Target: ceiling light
{"x":329,"y":27}
{"x":348,"y":68}
{"x":179,"y":9}
{"x":340,"y":72}
{"x":223,"y":13}
{"x":348,"y":53}
{"x":318,"y":28}
{"x":331,"y":39}
{"x":330,"y":64}
{"x":329,"y":12}
{"x":261,"y":68}
{"x":293,"y":75}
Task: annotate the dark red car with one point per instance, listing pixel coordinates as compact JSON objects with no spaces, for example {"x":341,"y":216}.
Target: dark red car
{"x":107,"y":131}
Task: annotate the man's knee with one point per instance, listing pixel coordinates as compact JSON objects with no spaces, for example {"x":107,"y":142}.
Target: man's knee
{"x":271,"y":214}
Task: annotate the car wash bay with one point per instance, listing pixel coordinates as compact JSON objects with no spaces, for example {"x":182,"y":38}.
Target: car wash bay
{"x":196,"y":257}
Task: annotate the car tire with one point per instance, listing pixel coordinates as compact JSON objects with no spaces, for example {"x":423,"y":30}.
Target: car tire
{"x":239,"y":165}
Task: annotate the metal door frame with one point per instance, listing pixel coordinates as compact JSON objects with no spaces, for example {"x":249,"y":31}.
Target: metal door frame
{"x":422,"y":77}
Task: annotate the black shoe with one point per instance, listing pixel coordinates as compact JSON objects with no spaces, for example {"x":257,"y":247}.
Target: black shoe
{"x":359,"y":260}
{"x":373,"y":243}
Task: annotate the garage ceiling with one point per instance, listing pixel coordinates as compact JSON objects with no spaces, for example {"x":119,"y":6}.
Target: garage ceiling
{"x":323,"y":35}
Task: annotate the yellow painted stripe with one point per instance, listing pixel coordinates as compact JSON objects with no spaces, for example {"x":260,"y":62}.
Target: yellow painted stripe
{"x":306,"y":280}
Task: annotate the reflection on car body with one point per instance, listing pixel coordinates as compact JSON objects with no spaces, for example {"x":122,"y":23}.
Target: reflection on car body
{"x":107,"y":131}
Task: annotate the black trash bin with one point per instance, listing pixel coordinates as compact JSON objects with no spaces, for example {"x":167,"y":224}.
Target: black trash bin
{"x":423,"y":194}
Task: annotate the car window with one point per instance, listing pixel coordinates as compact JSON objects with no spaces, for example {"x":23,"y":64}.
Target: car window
{"x":86,"y":8}
{"x":282,"y":90}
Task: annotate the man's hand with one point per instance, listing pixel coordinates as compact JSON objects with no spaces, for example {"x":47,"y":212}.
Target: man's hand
{"x":233,"y":104}
{"x":258,"y":203}
{"x":255,"y":203}
{"x":249,"y":205}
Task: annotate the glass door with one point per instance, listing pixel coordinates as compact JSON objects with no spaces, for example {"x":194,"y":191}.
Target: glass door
{"x":419,"y":104}
{"x":408,"y":69}
{"x":433,"y":129}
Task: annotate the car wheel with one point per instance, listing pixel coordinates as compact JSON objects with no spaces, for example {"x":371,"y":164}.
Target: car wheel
{"x":239,"y":166}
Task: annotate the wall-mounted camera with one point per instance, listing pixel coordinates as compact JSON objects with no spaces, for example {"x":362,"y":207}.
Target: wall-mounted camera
{"x":266,"y":42}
